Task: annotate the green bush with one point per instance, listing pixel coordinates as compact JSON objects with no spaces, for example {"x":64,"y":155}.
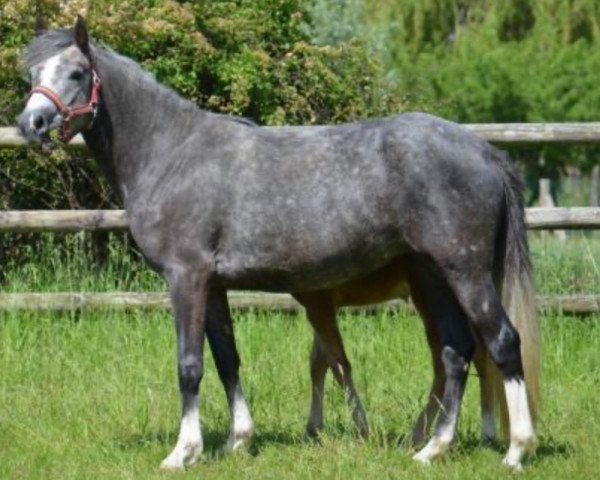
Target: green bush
{"x":482,"y":61}
{"x":248,"y":57}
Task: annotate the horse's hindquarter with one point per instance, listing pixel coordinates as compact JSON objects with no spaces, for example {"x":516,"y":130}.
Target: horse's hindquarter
{"x":319,"y":206}
{"x":316,"y":207}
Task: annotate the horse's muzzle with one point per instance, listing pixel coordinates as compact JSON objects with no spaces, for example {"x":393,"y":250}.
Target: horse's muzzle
{"x":35,"y":125}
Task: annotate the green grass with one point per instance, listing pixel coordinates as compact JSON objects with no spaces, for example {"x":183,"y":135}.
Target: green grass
{"x":94,"y":394}
{"x":65,"y":263}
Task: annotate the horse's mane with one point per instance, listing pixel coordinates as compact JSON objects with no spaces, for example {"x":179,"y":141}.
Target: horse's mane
{"x":46,"y":45}
{"x":52,"y":42}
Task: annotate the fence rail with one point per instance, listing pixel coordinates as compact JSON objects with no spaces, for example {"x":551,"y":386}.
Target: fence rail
{"x":493,"y":132}
{"x":97,"y":220}
{"x":65,"y":301}
{"x":537,"y":132}
{"x":20,"y":221}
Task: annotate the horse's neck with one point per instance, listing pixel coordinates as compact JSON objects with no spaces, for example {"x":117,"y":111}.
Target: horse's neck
{"x":129,"y":136}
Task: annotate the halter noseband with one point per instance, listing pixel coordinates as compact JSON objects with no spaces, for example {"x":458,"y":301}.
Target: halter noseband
{"x":70,"y":113}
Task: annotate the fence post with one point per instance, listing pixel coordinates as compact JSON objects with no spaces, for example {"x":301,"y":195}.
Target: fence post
{"x":545,"y":200}
{"x":595,"y":186}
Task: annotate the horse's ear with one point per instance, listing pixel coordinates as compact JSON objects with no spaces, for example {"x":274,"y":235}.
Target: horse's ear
{"x":81,"y":35}
{"x":41,"y":25}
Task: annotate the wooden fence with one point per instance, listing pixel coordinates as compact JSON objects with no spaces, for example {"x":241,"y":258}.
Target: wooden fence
{"x":563,"y":218}
{"x":493,"y":132}
{"x":116,"y":220}
{"x":63,"y":301}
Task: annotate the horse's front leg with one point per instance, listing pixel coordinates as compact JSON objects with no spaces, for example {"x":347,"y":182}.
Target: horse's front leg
{"x":219,"y":331}
{"x":189,"y":292}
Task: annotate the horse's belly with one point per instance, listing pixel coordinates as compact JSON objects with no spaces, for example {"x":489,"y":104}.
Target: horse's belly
{"x":311,"y":278}
{"x":387,"y":283}
{"x":308,"y":266}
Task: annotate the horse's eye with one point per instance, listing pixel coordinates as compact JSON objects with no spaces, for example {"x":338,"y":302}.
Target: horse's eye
{"x":76,"y":75}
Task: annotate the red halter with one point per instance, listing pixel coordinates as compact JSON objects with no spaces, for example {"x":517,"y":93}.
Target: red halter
{"x":70,"y":113}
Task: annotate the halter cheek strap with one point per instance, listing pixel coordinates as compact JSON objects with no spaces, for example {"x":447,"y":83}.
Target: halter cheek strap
{"x":70,"y":113}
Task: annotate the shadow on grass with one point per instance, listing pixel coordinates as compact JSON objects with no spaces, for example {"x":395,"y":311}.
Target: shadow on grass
{"x":547,"y":447}
{"x":214,"y":440}
{"x":137,"y":441}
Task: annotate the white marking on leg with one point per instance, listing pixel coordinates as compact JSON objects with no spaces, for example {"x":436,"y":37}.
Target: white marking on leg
{"x":242,"y":425}
{"x":439,"y":444}
{"x":189,"y":443}
{"x":522,"y":435}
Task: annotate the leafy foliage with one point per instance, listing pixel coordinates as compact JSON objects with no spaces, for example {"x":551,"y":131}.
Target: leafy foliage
{"x":486,"y":61}
{"x":321,"y":61}
{"x":247,"y":57}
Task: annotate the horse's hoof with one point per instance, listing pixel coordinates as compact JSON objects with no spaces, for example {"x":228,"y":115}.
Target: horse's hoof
{"x":182,"y":457}
{"x":435,"y":448}
{"x":313,"y":432}
{"x":422,"y":458}
{"x":360,"y":421}
{"x":519,"y":449}
{"x":363,"y":431}
{"x":239,"y":441}
{"x":513,"y":465}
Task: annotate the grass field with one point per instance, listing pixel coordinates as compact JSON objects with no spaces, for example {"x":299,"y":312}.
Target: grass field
{"x":94,"y":394}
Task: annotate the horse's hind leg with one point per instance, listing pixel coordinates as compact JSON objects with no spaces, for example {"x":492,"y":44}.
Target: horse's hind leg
{"x":436,"y":301}
{"x":328,"y":347}
{"x":480,"y":301}
{"x":488,"y":424}
{"x":432,"y":408}
{"x":318,"y":370}
{"x":219,"y":331}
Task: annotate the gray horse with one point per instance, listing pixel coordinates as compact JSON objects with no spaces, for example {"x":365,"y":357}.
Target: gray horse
{"x":335,"y":215}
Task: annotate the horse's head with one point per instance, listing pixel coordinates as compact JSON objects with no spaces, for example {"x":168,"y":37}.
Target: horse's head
{"x":65,"y":86}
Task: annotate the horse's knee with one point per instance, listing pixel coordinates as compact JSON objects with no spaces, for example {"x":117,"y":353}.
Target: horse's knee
{"x":191,"y":372}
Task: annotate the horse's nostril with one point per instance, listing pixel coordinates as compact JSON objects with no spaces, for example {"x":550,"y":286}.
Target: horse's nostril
{"x":39,"y":122}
